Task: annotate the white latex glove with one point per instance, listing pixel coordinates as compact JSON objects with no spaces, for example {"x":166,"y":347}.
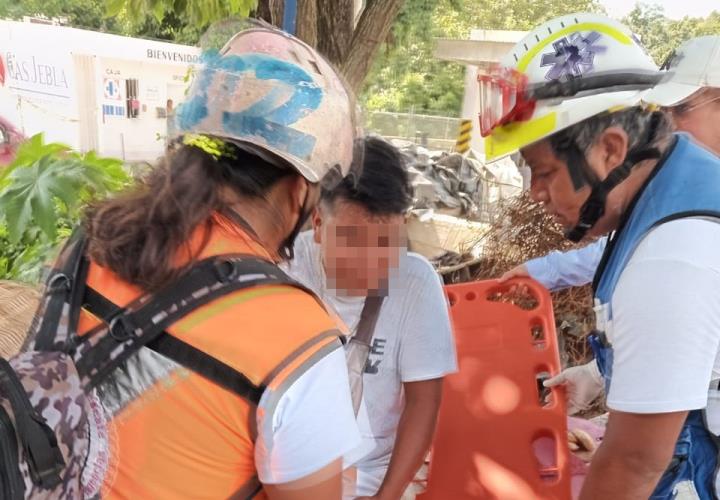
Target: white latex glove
{"x":584,"y":385}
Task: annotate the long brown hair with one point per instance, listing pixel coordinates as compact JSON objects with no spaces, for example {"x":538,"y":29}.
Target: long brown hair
{"x":138,"y":233}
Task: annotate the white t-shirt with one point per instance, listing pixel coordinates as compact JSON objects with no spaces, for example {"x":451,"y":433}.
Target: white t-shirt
{"x":666,"y":320}
{"x":412,"y":341}
{"x":312,"y":424}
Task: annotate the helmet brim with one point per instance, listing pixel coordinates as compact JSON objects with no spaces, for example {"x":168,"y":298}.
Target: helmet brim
{"x":670,"y":94}
{"x":277,"y":158}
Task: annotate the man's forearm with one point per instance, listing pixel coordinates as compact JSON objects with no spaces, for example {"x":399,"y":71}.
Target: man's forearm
{"x":619,"y":478}
{"x":558,"y":270}
{"x":635,"y":453}
{"x":414,"y":437}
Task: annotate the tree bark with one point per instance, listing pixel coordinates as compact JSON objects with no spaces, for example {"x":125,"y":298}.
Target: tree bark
{"x":335,"y":25}
{"x":329,"y":26}
{"x":271,"y":11}
{"x":307,"y":22}
{"x":372,"y":29}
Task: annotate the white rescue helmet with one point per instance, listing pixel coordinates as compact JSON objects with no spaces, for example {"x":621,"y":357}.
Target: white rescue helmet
{"x":564,"y":71}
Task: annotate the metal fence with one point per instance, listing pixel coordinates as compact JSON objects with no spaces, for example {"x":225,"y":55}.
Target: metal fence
{"x":434,"y":132}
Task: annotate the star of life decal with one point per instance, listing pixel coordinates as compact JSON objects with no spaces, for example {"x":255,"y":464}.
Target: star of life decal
{"x":572,"y":56}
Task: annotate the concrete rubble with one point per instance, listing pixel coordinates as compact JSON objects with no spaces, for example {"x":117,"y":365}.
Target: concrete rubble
{"x":455,"y":198}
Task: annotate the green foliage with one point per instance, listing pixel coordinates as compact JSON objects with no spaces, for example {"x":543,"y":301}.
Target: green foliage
{"x":172,"y":27}
{"x":198,"y":13}
{"x":79,"y":13}
{"x":92,"y":14}
{"x":406,"y":76}
{"x":661,"y":35}
{"x":41,"y":196}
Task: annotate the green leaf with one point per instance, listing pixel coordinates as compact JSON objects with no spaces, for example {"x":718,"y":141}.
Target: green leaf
{"x":113,"y":7}
{"x":17,"y":212}
{"x":32,"y":193}
{"x":67,"y":189}
{"x":43,"y":212}
{"x":179,"y":6}
{"x":135,"y":10}
{"x":103,"y":179}
{"x":32,"y":151}
{"x":158,"y":10}
{"x":28,"y":263}
{"x":4,"y":267}
{"x":112,"y":168}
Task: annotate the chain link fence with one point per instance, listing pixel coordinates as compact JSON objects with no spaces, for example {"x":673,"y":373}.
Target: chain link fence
{"x":433,"y":132}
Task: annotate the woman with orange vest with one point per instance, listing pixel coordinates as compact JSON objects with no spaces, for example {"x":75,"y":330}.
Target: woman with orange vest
{"x":267,"y":123}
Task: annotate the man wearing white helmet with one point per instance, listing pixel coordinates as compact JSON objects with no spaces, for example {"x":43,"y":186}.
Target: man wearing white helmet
{"x":690,"y":92}
{"x":567,"y":98}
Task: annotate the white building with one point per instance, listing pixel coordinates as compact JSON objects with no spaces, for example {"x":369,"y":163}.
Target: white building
{"x":90,"y":90}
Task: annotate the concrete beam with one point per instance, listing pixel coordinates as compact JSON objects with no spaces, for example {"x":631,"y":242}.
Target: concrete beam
{"x":502,"y":36}
{"x":484,"y":47}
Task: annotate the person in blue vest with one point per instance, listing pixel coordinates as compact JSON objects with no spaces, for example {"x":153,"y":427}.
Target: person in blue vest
{"x":569,"y":98}
{"x":690,"y":93}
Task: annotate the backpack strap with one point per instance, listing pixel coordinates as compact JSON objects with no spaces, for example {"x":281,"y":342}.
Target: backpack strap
{"x":182,"y":353}
{"x":64,"y":283}
{"x":108,"y":346}
{"x":368,"y":319}
{"x":37,"y":440}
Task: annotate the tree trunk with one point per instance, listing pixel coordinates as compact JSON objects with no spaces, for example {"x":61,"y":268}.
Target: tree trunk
{"x":307,"y":21}
{"x":329,"y":26}
{"x":271,"y":11}
{"x":335,"y":28}
{"x":372,"y":29}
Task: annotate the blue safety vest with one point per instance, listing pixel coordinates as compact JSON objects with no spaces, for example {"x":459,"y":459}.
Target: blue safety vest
{"x":686,"y":183}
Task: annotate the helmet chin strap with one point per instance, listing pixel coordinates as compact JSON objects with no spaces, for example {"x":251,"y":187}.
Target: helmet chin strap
{"x":594,"y":207}
{"x":580,"y":172}
{"x":287,"y":249}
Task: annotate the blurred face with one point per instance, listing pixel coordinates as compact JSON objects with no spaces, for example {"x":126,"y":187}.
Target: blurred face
{"x":359,"y":249}
{"x":699,"y":115}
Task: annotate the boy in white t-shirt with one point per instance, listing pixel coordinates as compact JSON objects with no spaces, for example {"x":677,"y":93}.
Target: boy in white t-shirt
{"x":356,"y":248}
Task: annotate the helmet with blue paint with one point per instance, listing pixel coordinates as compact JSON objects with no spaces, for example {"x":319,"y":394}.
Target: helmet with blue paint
{"x":273,"y":95}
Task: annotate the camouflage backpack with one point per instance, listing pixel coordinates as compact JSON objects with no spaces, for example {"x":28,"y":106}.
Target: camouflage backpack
{"x":53,"y":436}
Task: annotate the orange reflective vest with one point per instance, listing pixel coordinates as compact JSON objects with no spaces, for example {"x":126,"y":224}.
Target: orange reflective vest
{"x":175,"y":434}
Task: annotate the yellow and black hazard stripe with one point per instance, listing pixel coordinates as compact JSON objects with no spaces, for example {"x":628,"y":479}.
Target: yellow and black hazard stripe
{"x":463,"y":141}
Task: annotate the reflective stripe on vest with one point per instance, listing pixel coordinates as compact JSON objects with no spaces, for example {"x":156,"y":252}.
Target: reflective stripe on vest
{"x":204,"y":445}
